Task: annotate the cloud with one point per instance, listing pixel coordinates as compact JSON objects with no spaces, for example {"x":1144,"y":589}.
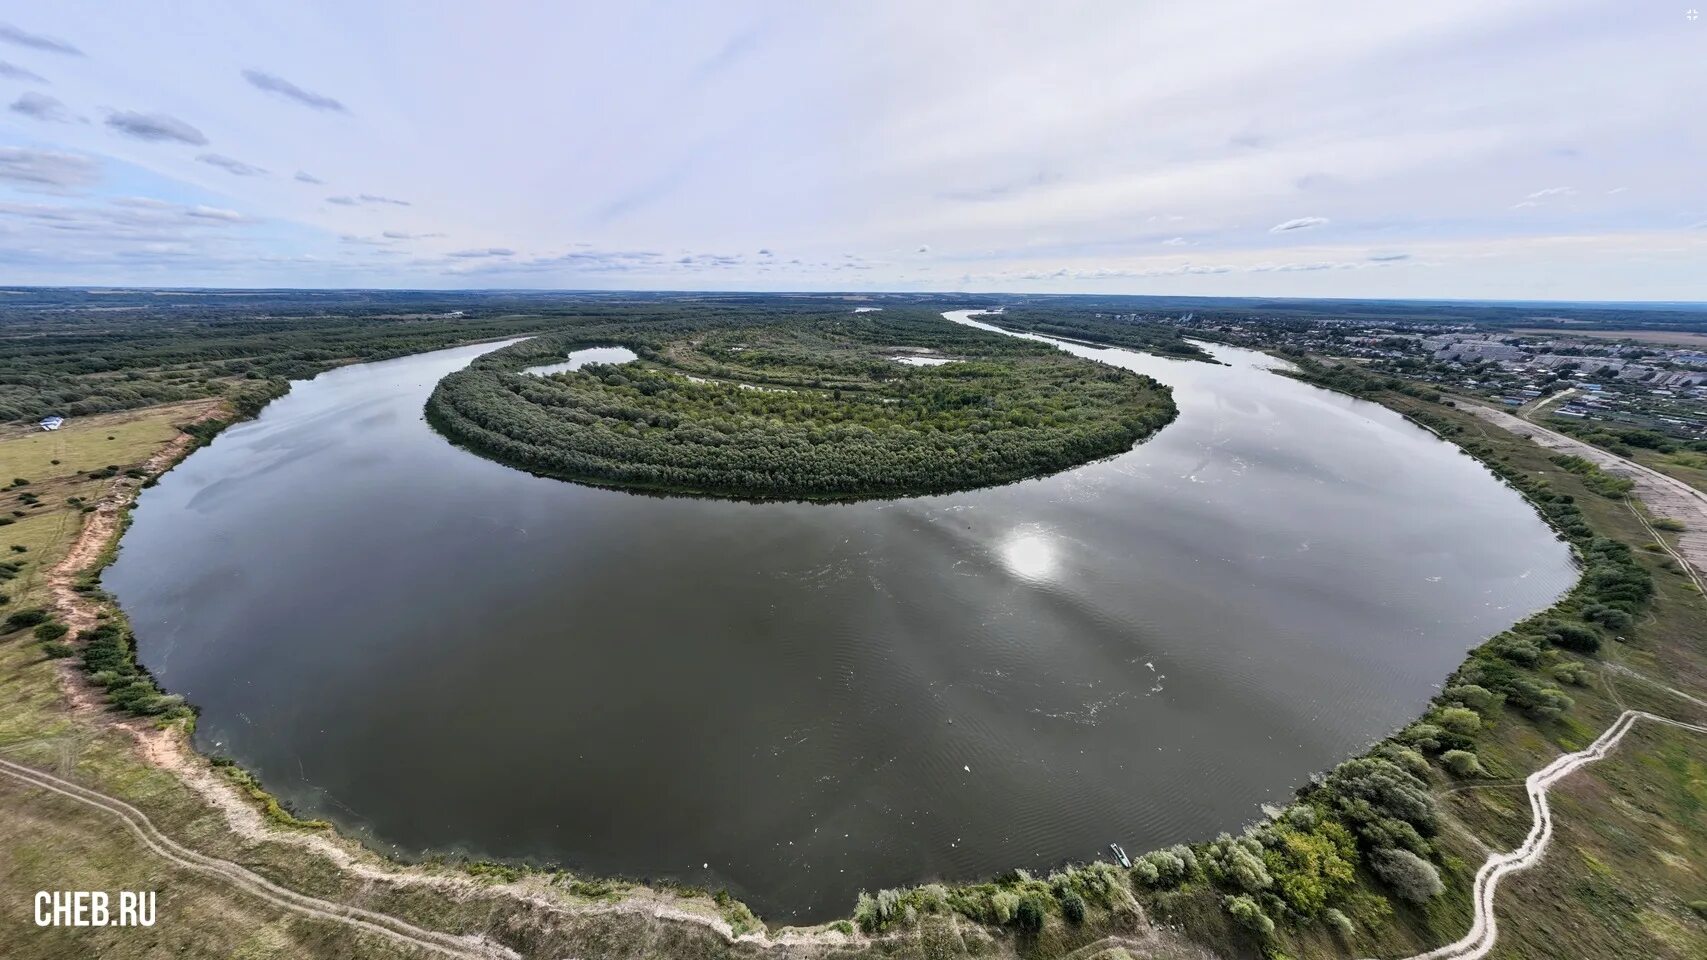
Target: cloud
{"x":302,"y":177}
{"x":46,"y":170}
{"x":1300,"y":223}
{"x":200,"y":212}
{"x":237,"y":167}
{"x":765,"y":252}
{"x":35,"y":41}
{"x":365,"y":198}
{"x":924,"y":248}
{"x":41,"y":107}
{"x":1388,"y":257}
{"x":400,"y":235}
{"x":482,"y":253}
{"x":12,"y":71}
{"x":1552,"y":192}
{"x":1176,"y":242}
{"x":155,"y":127}
{"x":284,"y":88}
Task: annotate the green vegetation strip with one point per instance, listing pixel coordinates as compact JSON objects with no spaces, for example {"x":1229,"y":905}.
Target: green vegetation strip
{"x":794,"y":404}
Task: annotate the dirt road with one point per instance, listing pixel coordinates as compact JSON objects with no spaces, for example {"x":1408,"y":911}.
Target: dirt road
{"x":1484,"y":931}
{"x":1664,"y":496}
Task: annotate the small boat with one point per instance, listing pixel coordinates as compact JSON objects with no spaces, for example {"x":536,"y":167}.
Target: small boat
{"x":1121,"y":856}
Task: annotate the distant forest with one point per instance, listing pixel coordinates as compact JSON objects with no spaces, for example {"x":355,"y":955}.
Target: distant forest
{"x":796,"y":403}
{"x":78,"y":351}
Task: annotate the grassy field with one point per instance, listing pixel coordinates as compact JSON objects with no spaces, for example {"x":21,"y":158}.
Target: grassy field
{"x":1682,"y":338}
{"x":1631,"y":854}
{"x":1625,"y":878}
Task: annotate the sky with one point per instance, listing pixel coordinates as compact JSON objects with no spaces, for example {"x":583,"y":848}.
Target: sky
{"x":1513,"y":149}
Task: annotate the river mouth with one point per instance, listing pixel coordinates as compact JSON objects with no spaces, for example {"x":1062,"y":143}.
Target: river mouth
{"x":799,"y":701}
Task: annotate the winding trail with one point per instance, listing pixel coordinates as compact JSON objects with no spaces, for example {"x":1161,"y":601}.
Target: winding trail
{"x":1484,"y":932}
{"x":241,"y":877}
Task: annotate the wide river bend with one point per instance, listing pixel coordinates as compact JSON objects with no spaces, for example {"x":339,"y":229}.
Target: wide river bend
{"x":795,"y":701}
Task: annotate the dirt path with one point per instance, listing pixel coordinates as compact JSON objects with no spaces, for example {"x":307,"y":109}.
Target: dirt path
{"x":1484,"y":931}
{"x":242,"y":878}
{"x":1664,"y":496}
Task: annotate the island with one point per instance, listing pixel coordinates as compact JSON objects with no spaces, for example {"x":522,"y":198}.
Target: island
{"x":795,"y":403}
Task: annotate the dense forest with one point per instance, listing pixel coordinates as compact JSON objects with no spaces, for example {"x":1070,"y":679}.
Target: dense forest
{"x":75,"y":352}
{"x":798,"y":403}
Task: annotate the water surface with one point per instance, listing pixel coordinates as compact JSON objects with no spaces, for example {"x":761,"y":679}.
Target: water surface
{"x":796,"y":701}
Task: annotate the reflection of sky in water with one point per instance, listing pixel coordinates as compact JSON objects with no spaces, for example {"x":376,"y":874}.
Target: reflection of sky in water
{"x":393,"y":632}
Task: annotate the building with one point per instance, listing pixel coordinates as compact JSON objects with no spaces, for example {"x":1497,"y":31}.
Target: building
{"x":52,"y":423}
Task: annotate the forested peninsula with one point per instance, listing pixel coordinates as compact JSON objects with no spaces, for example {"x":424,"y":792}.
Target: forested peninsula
{"x":795,"y":403}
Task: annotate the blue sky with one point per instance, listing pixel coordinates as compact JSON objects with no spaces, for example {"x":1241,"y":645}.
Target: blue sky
{"x":1495,"y":148}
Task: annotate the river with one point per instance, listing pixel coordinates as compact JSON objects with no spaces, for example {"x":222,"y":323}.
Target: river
{"x":797,"y":701}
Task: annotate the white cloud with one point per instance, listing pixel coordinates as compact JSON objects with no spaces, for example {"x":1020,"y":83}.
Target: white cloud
{"x":1298,"y":223}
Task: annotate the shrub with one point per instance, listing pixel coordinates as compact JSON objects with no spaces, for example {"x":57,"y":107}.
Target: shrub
{"x":1550,"y":703}
{"x":1073,"y":907}
{"x":865,"y":912}
{"x":1520,"y":650}
{"x":1238,"y":863}
{"x":1160,"y":868}
{"x":1311,"y":867}
{"x":1029,"y":915}
{"x":1611,"y":618}
{"x":1462,"y":763}
{"x":20,"y":619}
{"x":1424,"y":736}
{"x":1460,"y":720}
{"x":1340,"y":923}
{"x":1476,"y":697}
{"x":1249,"y":915}
{"x":1003,"y":906}
{"x":55,"y":649}
{"x":51,"y":630}
{"x":1412,"y":761}
{"x":1583,"y":639}
{"x":1410,"y":876}
{"x":1574,"y":672}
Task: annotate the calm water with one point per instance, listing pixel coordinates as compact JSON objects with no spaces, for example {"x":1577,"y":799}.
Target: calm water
{"x":576,"y":359}
{"x":795,"y":701}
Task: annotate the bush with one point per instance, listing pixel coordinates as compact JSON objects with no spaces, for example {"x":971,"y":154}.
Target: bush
{"x":1460,"y":720}
{"x":1003,"y":906}
{"x":1238,"y":863}
{"x":1160,"y":868}
{"x":1031,"y":912}
{"x":1583,"y":639}
{"x":1410,"y":876}
{"x":1424,"y":736}
{"x":1412,"y":761}
{"x":51,"y":630}
{"x":1340,"y":923}
{"x":1461,"y":763}
{"x":1520,"y":650}
{"x":1073,"y":907}
{"x":20,"y":619}
{"x":1249,"y":915}
{"x":1478,"y":698}
{"x":1611,"y":618}
{"x":1574,"y":672}
{"x":56,"y":650}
